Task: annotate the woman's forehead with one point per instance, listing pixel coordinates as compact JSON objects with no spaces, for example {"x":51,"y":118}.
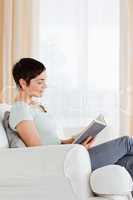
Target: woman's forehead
{"x":41,"y":76}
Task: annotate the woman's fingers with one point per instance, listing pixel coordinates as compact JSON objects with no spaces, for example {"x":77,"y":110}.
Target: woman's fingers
{"x":88,"y":140}
{"x":90,"y":144}
{"x":92,"y":141}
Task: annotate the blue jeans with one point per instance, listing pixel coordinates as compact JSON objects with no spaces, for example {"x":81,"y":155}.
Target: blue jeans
{"x":118,"y":151}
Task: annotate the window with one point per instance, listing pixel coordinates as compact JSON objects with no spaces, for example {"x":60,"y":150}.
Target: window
{"x":79,"y":44}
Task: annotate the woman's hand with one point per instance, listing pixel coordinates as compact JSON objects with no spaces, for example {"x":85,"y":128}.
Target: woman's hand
{"x":68,"y":141}
{"x":89,"y":142}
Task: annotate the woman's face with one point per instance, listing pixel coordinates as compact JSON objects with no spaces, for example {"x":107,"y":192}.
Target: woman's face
{"x":37,"y":85}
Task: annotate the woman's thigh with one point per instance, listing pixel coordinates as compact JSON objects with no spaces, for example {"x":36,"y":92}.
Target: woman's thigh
{"x":110,"y":152}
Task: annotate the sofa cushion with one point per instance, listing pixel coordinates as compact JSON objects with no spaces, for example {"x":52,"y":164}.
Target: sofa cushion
{"x":13,"y":138}
{"x":111,"y":179}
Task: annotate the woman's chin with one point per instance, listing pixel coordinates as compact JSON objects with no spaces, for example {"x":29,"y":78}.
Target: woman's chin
{"x":41,"y":95}
{"x":37,"y":95}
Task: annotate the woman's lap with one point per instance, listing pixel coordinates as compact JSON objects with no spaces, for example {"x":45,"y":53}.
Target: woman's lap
{"x":110,"y":152}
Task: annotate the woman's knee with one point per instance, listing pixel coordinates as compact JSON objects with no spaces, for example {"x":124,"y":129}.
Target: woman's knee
{"x":127,"y":138}
{"x":128,"y":141}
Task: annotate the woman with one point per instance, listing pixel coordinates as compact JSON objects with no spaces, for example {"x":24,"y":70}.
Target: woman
{"x":35,"y":127}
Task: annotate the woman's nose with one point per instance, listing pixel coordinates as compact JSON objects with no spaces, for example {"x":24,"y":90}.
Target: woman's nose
{"x":44,"y":85}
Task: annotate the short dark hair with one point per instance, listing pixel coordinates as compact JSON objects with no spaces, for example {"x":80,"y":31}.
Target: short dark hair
{"x":27,"y":69}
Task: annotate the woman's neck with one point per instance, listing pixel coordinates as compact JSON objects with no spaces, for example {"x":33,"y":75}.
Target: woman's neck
{"x":22,"y":96}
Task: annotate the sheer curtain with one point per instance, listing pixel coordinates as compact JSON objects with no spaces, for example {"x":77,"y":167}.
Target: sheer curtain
{"x":79,"y":44}
{"x":126,"y":64}
{"x":1,"y":46}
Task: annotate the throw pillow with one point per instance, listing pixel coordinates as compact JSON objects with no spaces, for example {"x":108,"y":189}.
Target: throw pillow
{"x":13,"y":138}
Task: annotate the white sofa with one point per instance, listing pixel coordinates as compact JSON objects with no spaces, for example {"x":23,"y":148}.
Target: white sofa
{"x":57,"y":172}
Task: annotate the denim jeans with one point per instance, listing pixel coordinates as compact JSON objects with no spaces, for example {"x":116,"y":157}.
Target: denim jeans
{"x":118,"y":151}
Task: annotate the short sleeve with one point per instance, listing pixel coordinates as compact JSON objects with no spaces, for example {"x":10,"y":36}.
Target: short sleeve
{"x":20,"y":111}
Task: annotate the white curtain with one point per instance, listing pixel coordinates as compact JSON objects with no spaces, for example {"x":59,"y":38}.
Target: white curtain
{"x":79,"y":43}
{"x":126,"y":67}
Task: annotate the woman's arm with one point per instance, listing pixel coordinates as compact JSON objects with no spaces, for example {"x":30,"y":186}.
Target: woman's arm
{"x":68,"y":141}
{"x":28,"y":133}
{"x":88,"y":143}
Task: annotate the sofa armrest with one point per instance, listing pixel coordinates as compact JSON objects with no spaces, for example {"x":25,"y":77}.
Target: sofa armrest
{"x":33,"y":161}
{"x":77,"y":167}
{"x":111,"y":180}
{"x":58,"y":162}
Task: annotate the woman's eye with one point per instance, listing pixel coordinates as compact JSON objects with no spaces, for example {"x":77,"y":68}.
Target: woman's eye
{"x":40,"y":83}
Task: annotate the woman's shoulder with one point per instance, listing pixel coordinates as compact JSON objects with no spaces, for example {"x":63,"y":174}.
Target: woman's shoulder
{"x":33,"y":107}
{"x":20,"y":108}
{"x":20,"y":111}
{"x":20,"y":105}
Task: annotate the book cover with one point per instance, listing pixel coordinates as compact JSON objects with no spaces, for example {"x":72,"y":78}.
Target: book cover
{"x":95,"y":127}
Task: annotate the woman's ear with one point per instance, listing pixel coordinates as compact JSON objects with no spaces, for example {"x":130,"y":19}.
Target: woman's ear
{"x":22,"y":83}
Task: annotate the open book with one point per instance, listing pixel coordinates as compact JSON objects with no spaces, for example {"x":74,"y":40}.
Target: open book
{"x":95,"y":127}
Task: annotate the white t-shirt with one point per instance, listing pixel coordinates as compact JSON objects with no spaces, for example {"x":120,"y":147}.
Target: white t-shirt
{"x":45,"y":124}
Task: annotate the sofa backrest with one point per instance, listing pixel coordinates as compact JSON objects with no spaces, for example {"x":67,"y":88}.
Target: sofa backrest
{"x":3,"y":137}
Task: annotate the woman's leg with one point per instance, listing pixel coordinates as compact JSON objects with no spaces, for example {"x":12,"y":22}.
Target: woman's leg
{"x":127,"y":162}
{"x":110,"y":152}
